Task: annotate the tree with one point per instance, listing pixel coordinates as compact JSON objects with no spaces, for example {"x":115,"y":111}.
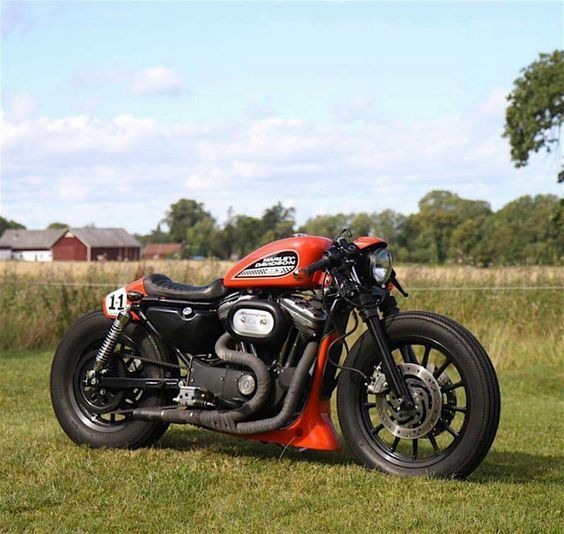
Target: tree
{"x":247,"y":234}
{"x":536,"y":109}
{"x":526,"y":230}
{"x":361,"y":224}
{"x":5,"y":224}
{"x":277,"y":222}
{"x":326,"y":225}
{"x":57,"y":226}
{"x":203,"y":239}
{"x":428,"y":235}
{"x":184,"y":215}
{"x":389,"y":224}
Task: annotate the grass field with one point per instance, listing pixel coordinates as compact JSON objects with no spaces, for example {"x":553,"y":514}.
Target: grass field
{"x":198,"y":480}
{"x":201,"y":481}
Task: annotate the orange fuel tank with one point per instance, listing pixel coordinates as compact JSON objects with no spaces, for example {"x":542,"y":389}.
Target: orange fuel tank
{"x":273,"y":265}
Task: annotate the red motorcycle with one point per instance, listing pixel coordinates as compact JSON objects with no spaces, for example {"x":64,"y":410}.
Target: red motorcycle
{"x":258,"y":355}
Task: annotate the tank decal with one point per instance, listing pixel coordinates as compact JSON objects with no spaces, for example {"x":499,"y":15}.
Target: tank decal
{"x":271,"y":266}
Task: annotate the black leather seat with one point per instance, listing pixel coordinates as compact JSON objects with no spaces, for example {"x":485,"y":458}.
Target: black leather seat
{"x":160,"y":285}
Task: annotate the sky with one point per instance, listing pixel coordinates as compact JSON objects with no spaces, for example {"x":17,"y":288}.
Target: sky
{"x":111,"y":111}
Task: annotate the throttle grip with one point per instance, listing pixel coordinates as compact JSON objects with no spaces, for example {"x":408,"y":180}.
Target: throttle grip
{"x":300,"y":274}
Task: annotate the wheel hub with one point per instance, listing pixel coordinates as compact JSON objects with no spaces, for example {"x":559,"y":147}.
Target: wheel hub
{"x":427,"y":398}
{"x":95,"y":399}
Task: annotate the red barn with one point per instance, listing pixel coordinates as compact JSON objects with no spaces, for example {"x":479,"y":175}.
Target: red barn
{"x":92,"y":244}
{"x":161,"y":251}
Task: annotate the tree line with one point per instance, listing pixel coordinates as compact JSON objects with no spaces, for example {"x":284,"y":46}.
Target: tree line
{"x":445,"y":229}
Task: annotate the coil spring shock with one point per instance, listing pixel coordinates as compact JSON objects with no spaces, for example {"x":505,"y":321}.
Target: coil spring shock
{"x":110,"y":342}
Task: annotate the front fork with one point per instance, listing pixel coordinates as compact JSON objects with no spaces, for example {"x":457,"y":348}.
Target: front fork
{"x":371,"y":318}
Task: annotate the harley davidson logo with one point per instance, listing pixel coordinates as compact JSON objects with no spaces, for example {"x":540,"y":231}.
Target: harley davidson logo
{"x":273,"y":266}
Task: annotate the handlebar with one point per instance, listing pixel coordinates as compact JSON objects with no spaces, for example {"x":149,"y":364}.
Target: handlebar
{"x":312,"y":268}
{"x":342,"y":250}
{"x":316,"y":266}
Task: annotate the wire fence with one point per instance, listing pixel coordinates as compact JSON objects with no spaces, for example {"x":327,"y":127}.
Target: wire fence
{"x":431,"y":288}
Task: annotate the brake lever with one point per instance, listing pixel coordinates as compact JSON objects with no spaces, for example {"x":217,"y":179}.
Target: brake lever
{"x":397,"y":285}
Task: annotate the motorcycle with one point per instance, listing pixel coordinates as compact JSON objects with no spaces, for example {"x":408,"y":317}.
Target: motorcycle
{"x":257,"y":355}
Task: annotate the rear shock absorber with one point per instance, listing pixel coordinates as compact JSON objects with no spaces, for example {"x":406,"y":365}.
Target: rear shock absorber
{"x":110,"y":342}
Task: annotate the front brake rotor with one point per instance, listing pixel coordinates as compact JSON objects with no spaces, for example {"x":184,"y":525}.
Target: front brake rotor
{"x":427,"y":397}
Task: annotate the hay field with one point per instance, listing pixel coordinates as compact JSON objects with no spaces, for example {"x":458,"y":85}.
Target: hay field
{"x":511,"y":310}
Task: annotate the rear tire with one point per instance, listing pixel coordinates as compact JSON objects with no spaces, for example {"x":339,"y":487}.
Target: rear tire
{"x":468,"y":392}
{"x":87,"y":421}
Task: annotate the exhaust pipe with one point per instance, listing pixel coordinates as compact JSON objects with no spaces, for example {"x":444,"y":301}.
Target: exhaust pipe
{"x":231,"y":421}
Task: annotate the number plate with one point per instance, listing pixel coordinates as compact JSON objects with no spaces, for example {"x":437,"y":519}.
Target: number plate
{"x":115,"y":302}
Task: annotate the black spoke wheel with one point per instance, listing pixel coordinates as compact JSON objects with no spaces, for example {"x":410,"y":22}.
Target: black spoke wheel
{"x":96,"y":415}
{"x":439,"y":408}
{"x":105,"y":408}
{"x":455,"y":391}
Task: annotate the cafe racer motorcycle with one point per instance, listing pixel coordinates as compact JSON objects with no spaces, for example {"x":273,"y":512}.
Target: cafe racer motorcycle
{"x":257,"y":354}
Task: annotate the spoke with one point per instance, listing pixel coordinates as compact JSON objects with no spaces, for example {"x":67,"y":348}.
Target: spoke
{"x":439,"y":371}
{"x":451,"y":431}
{"x":457,"y":409}
{"x":395,"y":444}
{"x":453,"y":386}
{"x":414,"y":448}
{"x":112,"y":417}
{"x":408,"y":354}
{"x":434,"y":444}
{"x":377,"y":429}
{"x":425,"y":360}
{"x":370,"y":405}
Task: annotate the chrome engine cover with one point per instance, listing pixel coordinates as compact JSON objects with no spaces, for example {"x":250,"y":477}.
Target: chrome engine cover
{"x":307,"y":315}
{"x":252,"y":322}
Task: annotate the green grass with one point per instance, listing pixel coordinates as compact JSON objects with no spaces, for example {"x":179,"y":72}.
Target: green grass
{"x":202,"y":481}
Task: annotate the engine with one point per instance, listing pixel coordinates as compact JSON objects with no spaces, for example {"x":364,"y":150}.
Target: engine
{"x":275,"y":331}
{"x":261,"y":322}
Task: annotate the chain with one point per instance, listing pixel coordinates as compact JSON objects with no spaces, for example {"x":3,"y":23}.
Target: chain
{"x":157,"y":362}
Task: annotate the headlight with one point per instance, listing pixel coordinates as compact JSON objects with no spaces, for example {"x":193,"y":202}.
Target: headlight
{"x":381,"y":265}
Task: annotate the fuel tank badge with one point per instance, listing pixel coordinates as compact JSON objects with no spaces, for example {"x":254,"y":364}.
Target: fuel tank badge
{"x":272,"y":266}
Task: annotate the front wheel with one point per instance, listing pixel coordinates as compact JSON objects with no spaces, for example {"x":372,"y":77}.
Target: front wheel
{"x":453,"y":385}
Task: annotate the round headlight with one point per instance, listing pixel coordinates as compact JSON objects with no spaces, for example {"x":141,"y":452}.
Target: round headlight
{"x":381,"y":265}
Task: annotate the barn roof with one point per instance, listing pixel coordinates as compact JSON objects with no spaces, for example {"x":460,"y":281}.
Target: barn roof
{"x":105,"y":237}
{"x":45,"y":239}
{"x":161,"y":249}
{"x":30,"y":239}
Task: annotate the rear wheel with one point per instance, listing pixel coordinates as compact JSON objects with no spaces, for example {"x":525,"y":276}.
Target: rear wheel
{"x":96,"y":416}
{"x":453,"y":385}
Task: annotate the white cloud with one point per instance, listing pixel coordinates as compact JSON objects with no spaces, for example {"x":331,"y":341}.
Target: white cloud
{"x":127,"y":170}
{"x":19,"y":106}
{"x":157,"y":81}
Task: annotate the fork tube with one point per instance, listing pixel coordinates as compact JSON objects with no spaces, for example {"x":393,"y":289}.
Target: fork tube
{"x":395,"y":379}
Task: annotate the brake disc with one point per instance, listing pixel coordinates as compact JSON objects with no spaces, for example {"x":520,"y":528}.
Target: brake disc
{"x":426,"y":393}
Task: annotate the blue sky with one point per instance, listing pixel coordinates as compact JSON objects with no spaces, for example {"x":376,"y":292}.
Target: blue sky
{"x":114,"y":110}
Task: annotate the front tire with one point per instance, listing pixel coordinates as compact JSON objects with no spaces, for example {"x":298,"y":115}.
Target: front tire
{"x":451,"y":376}
{"x":98,"y":417}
